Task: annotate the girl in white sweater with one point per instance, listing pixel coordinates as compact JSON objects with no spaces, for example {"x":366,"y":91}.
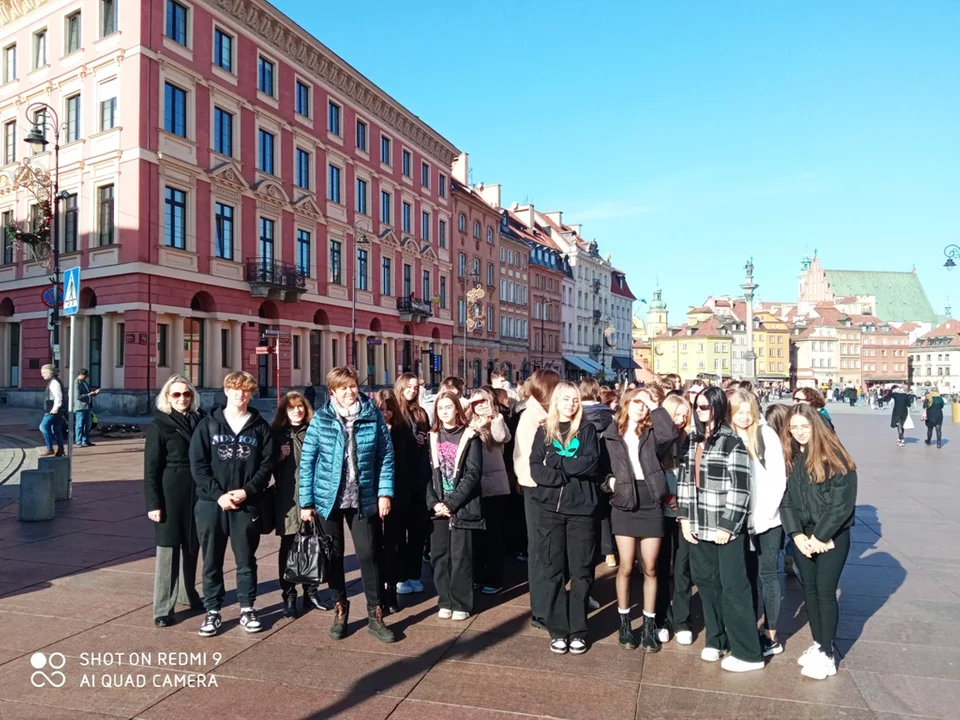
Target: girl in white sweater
{"x":768,"y":482}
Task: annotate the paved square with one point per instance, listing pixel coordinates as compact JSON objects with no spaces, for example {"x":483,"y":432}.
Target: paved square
{"x":82,"y":584}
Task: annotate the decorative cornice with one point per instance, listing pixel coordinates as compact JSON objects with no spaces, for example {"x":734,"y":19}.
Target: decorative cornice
{"x":310,"y":53}
{"x":11,"y":10}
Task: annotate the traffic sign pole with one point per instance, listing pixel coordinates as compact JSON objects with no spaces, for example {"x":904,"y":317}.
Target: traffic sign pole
{"x":70,"y":296}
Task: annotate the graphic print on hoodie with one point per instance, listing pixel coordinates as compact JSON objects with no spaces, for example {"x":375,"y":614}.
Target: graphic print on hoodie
{"x":447,"y":445}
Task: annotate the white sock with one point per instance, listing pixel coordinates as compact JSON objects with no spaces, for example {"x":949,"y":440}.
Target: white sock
{"x":623,"y":612}
{"x":649,"y":614}
{"x":245,"y":609}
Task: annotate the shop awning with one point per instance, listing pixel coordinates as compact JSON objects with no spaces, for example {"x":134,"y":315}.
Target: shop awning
{"x":624,"y":362}
{"x":583,"y":363}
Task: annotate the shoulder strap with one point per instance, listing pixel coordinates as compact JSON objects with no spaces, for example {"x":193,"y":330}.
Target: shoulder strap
{"x":761,"y":448}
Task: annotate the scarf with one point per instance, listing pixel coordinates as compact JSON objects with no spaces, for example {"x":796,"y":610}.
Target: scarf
{"x":350,"y":483}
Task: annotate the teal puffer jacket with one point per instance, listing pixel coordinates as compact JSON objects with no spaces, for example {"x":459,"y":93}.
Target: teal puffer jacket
{"x":324,"y":453}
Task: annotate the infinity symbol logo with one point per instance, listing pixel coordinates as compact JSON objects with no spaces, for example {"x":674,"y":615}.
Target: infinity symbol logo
{"x":55,"y":661}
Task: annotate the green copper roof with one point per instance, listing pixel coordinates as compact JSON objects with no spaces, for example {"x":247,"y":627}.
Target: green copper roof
{"x":900,"y":296}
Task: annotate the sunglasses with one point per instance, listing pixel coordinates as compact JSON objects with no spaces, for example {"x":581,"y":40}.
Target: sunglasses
{"x":703,"y":407}
{"x":178,"y":395}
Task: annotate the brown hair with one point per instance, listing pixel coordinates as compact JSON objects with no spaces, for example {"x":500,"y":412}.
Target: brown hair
{"x":776,"y":417}
{"x":242,"y":380}
{"x":453,"y":383}
{"x":341,"y":376}
{"x":608,"y":398}
{"x":825,"y":455}
{"x":623,"y":414}
{"x":414,"y":415}
{"x":291,"y":399}
{"x":386,"y":399}
{"x":590,"y":389}
{"x":503,"y":397}
{"x":459,"y":418}
{"x":540,"y":386}
{"x":812,"y":396}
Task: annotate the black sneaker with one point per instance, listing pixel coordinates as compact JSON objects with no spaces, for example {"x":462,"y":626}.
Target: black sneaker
{"x":211,"y":624}
{"x":770,"y":647}
{"x":249,"y":621}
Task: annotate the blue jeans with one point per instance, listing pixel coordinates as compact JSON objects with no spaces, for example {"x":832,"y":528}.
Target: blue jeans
{"x":82,"y":420}
{"x":52,"y":430}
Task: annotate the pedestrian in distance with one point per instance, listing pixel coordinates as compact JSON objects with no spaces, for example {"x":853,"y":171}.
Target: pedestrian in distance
{"x":563,"y":464}
{"x":290,"y":424}
{"x":346,"y":479}
{"x":817,"y":512}
{"x":933,"y":415}
{"x":901,"y":411}
{"x":814,"y":398}
{"x":51,"y":426}
{"x":232,"y":455}
{"x":171,"y":496}
{"x":641,"y":437}
{"x":453,"y":496}
{"x":714,"y":499}
{"x":82,"y":401}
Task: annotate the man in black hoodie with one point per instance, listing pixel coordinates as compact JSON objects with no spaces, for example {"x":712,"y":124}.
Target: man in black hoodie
{"x":231,"y":458}
{"x":600,"y":416}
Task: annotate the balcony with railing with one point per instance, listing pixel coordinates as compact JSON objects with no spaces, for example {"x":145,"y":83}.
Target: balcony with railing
{"x":275,"y":280}
{"x":595,"y":351}
{"x":414,"y":309}
{"x":596,"y":286}
{"x":597,"y":316}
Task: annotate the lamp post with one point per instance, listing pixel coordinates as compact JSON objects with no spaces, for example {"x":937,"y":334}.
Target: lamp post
{"x":360,"y":238}
{"x":36,"y":138}
{"x":952,"y":252}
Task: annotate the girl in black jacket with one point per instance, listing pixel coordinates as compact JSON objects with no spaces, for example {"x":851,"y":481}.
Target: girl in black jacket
{"x":642,"y":435}
{"x":563,"y":464}
{"x":416,"y":549}
{"x":818,"y":511}
{"x":453,"y":496}
{"x":171,"y":496}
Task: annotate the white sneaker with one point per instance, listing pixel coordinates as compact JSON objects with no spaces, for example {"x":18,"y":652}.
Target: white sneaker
{"x":732,"y":664}
{"x":577,"y":646}
{"x":663,"y":635}
{"x":820,"y":667}
{"x":684,"y":637}
{"x":445,"y":614}
{"x":592,"y":604}
{"x":460,"y":615}
{"x":415,"y":586}
{"x":809,"y":655}
{"x":711,"y":654}
{"x":403,"y":588}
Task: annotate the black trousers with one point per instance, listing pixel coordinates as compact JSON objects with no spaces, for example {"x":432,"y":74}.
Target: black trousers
{"x":567,"y":542}
{"x":764,"y":573}
{"x":214,"y":527}
{"x":289,"y":589}
{"x":489,"y":543}
{"x":535,"y":581}
{"x":821,"y":575}
{"x":720,"y":572}
{"x":673,"y":598}
{"x":608,"y":545}
{"x":451,"y":552}
{"x":365,"y":532}
{"x":516,"y":531}
{"x":939,"y":429}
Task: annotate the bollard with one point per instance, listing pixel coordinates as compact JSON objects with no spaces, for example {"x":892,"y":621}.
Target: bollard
{"x":60,"y":467}
{"x":955,"y":412}
{"x":36,"y":496}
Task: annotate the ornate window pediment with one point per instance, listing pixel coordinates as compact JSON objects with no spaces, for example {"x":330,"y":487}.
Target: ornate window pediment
{"x":388,"y":238}
{"x":271,"y":191}
{"x":228,"y":174}
{"x":308,"y":206}
{"x":428,"y":253}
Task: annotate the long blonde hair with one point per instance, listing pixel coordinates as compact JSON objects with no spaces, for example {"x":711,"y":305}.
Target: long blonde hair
{"x":672,"y":402}
{"x":738,"y":398}
{"x":163,"y":397}
{"x":552,"y":423}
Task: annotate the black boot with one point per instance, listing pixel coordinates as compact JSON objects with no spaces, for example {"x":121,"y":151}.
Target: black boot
{"x":312,"y":599}
{"x":627,"y":639}
{"x":390,"y":603}
{"x":341,"y":617}
{"x":290,"y":606}
{"x":648,"y":635}
{"x":938,"y":444}
{"x":376,"y":627}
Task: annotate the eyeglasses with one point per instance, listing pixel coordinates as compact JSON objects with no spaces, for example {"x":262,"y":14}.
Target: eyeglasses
{"x":800,"y":428}
{"x":178,"y":395}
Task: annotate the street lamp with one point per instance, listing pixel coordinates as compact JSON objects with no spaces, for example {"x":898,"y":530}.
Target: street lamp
{"x":40,"y":114}
{"x":360,"y":238}
{"x":953,"y":253}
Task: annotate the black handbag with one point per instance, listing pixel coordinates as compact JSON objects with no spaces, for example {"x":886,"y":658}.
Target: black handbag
{"x":309,"y":558}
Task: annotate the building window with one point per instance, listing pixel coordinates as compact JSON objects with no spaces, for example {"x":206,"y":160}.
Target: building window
{"x":363,"y":270}
{"x":427,"y":291}
{"x":333,"y":191}
{"x":476,"y":229}
{"x":424,"y":175}
{"x":442,"y":186}
{"x":73,"y":118}
{"x":5,"y":219}
{"x":39,"y":48}
{"x":461,"y":266}
{"x":223,"y":50}
{"x":333,"y":117}
{"x":193,"y":341}
{"x":336,"y":262}
{"x":386,"y":284}
{"x":163,"y":345}
{"x":175,"y":110}
{"x":72,"y":32}
{"x":407,"y":280}
{"x":108,"y":17}
{"x":490,"y":274}
{"x":425,"y":226}
{"x":121,"y":343}
{"x":303,"y":99}
{"x":175,"y":230}
{"x":223,"y":132}
{"x":303,"y":253}
{"x":296,"y":352}
{"x":385,"y":207}
{"x":490,"y":235}
{"x":303,"y":169}
{"x":225,"y":348}
{"x":105,"y":215}
{"x":108,"y":113}
{"x":442,"y":233}
{"x":462,"y":223}
{"x":405,"y":217}
{"x":177,"y":22}
{"x":385,"y":150}
{"x":265,"y":77}
{"x":361,"y":135}
{"x":461,"y":312}
{"x":443,"y":292}
{"x":361,"y":196}
{"x":266,"y":141}
{"x":405,"y":163}
{"x":10,"y":142}
{"x":267,"y":234}
{"x":70,"y":234}
{"x":224,"y":225}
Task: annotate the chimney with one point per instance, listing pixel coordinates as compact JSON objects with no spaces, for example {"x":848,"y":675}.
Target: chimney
{"x":527,"y":215}
{"x":575,"y":228}
{"x":490,"y":193}
{"x":556,"y":216}
{"x":461,"y":169}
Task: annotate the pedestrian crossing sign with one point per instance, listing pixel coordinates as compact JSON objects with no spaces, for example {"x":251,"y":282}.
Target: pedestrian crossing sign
{"x":71,"y":291}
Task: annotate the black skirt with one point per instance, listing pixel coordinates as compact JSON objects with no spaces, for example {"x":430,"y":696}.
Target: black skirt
{"x":647,"y":522}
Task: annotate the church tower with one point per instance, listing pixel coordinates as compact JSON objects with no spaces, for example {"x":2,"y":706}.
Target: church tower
{"x":657,"y":315}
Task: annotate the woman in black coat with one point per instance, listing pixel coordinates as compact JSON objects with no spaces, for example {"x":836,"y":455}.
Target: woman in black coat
{"x":171,"y":497}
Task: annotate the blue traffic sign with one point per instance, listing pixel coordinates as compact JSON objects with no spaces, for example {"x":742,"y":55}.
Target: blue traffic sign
{"x":49,"y":296}
{"x":71,"y":291}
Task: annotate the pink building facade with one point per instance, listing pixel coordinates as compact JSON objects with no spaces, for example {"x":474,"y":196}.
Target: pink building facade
{"x":229,"y":181}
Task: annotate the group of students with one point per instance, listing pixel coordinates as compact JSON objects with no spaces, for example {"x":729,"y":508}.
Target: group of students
{"x":693,"y":484}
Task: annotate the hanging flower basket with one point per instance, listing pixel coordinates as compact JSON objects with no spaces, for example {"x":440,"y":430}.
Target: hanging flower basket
{"x":38,"y":242}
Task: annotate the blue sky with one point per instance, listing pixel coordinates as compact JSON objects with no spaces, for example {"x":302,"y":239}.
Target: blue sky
{"x":688,"y":135}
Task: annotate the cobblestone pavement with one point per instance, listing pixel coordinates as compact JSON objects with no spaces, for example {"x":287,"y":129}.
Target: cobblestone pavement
{"x":82,"y":584}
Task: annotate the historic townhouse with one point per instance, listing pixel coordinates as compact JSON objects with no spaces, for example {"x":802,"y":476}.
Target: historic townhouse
{"x":620,"y":343}
{"x":935,"y":358}
{"x":228,"y":182}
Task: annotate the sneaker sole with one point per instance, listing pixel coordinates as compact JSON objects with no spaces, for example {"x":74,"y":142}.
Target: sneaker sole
{"x":773,"y":651}
{"x":576,"y":652}
{"x":651,"y":649}
{"x":204,"y":633}
{"x":558,"y":651}
{"x":249,"y":629}
{"x":386,"y":640}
